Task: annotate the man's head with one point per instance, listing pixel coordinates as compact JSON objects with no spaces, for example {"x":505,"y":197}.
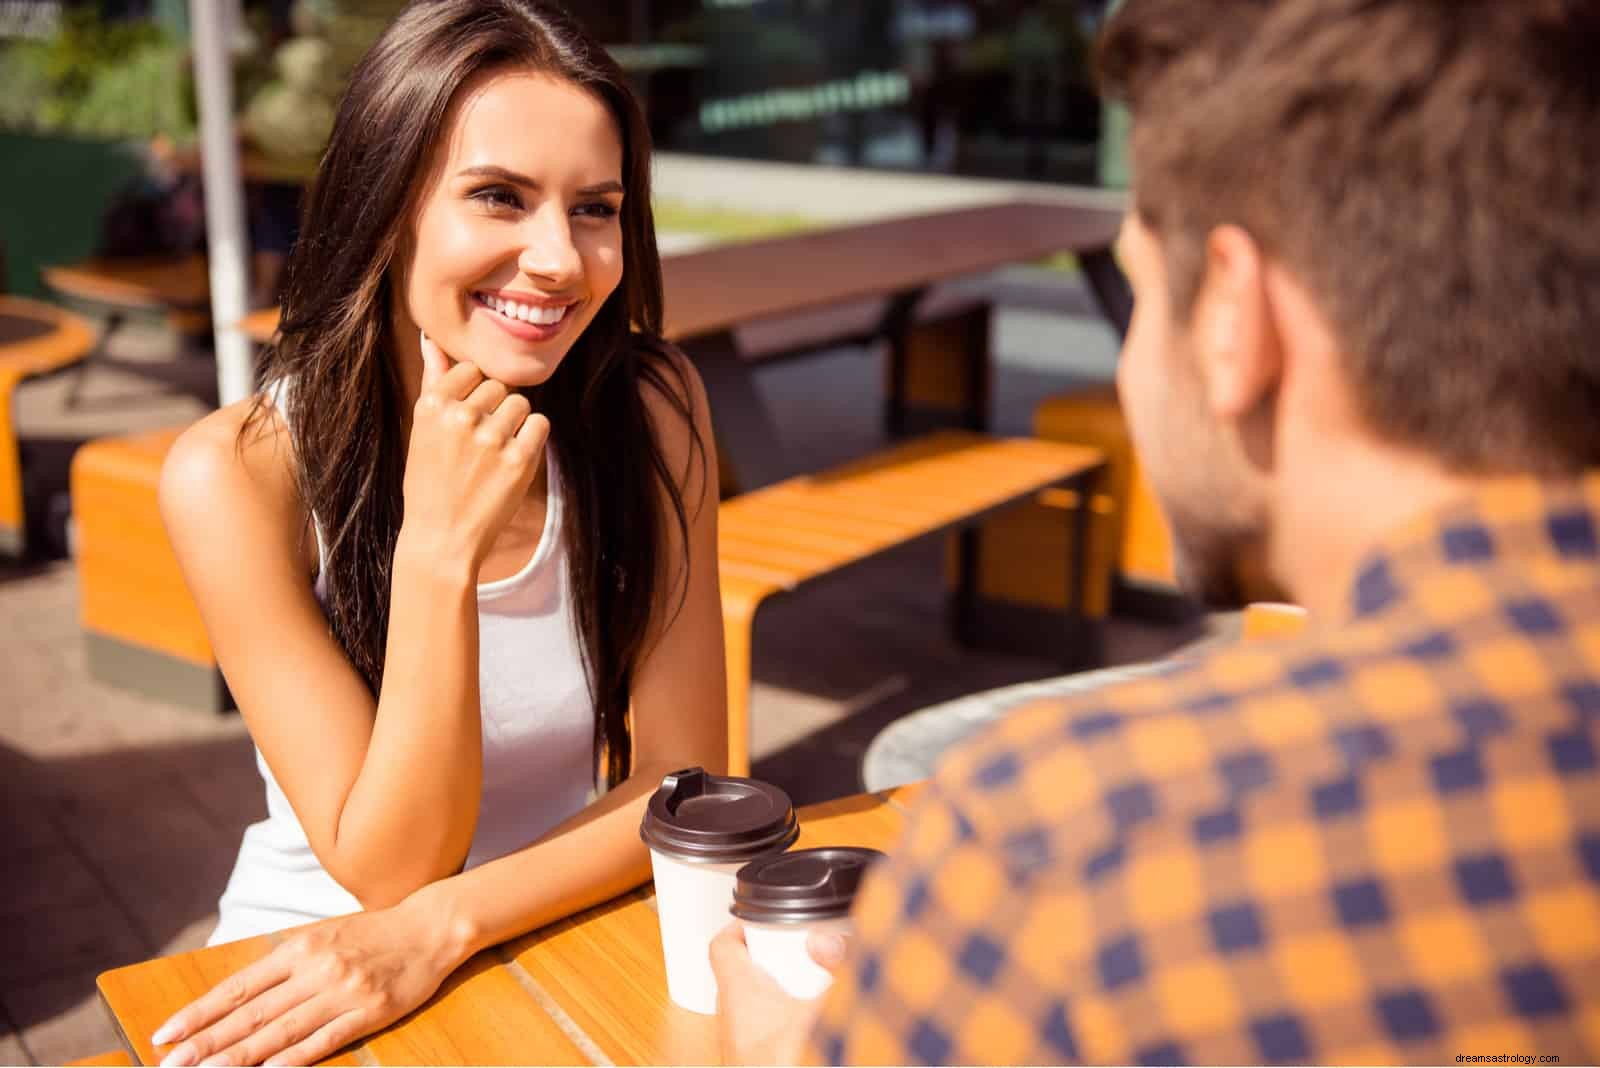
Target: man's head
{"x":1365,"y":220}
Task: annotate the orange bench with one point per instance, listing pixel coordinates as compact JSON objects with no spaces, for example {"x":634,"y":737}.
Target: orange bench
{"x":1129,"y":548}
{"x":774,"y":540}
{"x":175,"y":289}
{"x":47,"y":339}
{"x":143,"y":630}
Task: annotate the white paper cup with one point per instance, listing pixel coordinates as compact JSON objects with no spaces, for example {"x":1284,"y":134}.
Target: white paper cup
{"x":701,"y":829}
{"x":692,"y":903}
{"x":784,"y":899}
{"x":780,"y":950}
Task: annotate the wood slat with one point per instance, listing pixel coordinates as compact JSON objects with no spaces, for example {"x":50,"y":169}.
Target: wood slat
{"x":865,"y":820}
{"x":607,"y":973}
{"x":481,"y":1015}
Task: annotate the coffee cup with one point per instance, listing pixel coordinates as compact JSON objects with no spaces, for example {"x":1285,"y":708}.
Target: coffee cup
{"x":782,"y":900}
{"x":701,"y":829}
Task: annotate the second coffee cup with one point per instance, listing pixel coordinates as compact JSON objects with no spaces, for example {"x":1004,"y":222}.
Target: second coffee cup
{"x":701,"y":829}
{"x":785,"y":899}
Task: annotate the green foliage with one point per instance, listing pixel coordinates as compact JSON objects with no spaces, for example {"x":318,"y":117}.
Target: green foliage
{"x":97,"y":79}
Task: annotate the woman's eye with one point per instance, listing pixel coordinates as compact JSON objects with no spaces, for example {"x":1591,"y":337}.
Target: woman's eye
{"x":598,"y":210}
{"x":497,"y":196}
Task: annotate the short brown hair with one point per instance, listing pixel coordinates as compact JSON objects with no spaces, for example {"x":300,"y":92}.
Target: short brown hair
{"x":1430,"y":169}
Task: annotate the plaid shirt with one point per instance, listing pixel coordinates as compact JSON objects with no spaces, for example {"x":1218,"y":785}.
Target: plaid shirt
{"x":1377,"y":843}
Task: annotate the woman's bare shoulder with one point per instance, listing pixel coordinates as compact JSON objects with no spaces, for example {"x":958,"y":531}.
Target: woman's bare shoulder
{"x":234,"y":467}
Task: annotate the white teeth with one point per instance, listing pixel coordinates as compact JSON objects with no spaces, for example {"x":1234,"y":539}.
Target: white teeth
{"x":527,"y":313}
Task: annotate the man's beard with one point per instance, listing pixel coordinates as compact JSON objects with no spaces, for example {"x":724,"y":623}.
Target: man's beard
{"x":1219,"y":565}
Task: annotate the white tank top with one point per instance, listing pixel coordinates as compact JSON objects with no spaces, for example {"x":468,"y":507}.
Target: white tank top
{"x":538,"y":746}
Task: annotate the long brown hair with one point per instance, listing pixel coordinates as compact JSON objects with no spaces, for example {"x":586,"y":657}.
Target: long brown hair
{"x":345,"y":408}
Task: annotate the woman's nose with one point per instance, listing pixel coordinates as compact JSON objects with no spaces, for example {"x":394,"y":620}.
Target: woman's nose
{"x":548,"y":252}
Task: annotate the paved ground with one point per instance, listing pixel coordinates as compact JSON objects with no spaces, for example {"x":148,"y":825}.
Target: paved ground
{"x":121,"y":816}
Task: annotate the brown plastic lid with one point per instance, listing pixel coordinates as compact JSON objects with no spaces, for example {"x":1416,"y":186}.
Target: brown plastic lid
{"x":803,"y":886}
{"x":712,"y":819}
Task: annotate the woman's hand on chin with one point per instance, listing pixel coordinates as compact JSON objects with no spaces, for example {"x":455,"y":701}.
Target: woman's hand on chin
{"x":475,"y":450}
{"x":320,"y":990}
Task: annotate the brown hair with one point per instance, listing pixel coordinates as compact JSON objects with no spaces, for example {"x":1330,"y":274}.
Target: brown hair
{"x":1430,"y":169}
{"x":344,"y":409}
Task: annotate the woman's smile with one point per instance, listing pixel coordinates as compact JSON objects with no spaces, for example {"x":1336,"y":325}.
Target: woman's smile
{"x":527,"y":317}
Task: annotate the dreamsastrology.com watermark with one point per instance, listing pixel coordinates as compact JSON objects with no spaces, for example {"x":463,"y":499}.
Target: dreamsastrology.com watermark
{"x":1505,"y":1058}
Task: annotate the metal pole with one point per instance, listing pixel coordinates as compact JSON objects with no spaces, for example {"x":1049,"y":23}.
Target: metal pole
{"x":226,"y":240}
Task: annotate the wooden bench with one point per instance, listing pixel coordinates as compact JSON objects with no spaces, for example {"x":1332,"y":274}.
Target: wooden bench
{"x":1129,"y":549}
{"x":35,"y":339}
{"x":174,"y":289}
{"x":774,"y":540}
{"x":142,"y":629}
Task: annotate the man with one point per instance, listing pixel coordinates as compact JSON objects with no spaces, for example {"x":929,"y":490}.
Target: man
{"x":1366,"y":254}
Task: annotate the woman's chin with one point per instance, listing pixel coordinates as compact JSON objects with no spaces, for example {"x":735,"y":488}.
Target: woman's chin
{"x":519,"y":370}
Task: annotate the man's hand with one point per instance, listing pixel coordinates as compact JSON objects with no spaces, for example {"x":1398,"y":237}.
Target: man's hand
{"x":756,"y":1021}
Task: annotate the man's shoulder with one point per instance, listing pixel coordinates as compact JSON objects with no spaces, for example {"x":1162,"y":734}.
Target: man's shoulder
{"x":1206,"y":717}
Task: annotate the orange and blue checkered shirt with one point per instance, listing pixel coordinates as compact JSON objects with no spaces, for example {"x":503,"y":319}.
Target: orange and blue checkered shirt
{"x":1377,"y":843}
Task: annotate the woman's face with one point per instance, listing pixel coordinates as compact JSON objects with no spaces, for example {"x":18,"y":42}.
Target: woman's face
{"x":517,"y":242}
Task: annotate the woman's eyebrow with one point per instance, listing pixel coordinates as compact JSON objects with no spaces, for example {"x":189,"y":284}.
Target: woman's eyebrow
{"x":491,"y":171}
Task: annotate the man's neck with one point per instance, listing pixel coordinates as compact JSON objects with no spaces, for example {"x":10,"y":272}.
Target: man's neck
{"x":1330,"y":518}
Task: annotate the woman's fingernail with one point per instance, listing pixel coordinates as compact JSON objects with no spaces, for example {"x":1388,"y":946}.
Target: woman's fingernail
{"x":167,"y":1032}
{"x":219,"y":1061}
{"x":182,"y":1057}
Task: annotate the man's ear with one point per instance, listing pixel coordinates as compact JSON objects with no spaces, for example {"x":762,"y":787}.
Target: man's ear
{"x":1235,"y":341}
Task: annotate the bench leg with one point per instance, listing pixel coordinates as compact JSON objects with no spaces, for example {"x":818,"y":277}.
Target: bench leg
{"x":738,"y":621}
{"x":114,"y":323}
{"x":748,"y":438}
{"x":969,"y":545}
{"x":1083,"y":647}
{"x":895,"y":327}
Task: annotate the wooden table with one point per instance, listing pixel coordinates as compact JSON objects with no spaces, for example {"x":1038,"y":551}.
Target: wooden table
{"x":588,"y":990}
{"x":35,"y":339}
{"x":711,"y":291}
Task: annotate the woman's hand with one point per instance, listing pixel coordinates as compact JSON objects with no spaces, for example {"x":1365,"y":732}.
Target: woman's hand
{"x":475,"y":451}
{"x":318,"y":991}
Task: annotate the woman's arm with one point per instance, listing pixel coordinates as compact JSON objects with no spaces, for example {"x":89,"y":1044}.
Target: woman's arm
{"x":679,"y":714}
{"x":387,"y":790}
{"x":326,"y":986}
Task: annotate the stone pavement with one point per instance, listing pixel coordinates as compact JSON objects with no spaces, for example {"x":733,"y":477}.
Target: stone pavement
{"x":121,"y":815}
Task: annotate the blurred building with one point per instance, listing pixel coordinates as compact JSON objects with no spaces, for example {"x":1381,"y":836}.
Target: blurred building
{"x":992,"y":88}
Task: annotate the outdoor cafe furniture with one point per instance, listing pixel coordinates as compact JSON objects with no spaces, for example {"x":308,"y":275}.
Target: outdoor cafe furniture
{"x":591,"y":989}
{"x":173,"y":289}
{"x":774,"y":540}
{"x":1130,"y":563}
{"x":142,"y":630}
{"x":35,"y":339}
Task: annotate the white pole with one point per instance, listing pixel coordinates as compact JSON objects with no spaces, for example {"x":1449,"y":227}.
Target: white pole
{"x":227,"y":243}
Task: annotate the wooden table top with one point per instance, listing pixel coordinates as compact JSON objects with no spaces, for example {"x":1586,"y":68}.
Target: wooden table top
{"x":591,"y":989}
{"x":36,"y":337}
{"x":718,"y":288}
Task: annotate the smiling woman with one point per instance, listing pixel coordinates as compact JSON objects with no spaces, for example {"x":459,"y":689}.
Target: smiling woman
{"x":458,"y":557}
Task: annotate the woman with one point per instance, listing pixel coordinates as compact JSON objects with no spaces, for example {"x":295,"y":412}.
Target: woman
{"x":458,"y":561}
